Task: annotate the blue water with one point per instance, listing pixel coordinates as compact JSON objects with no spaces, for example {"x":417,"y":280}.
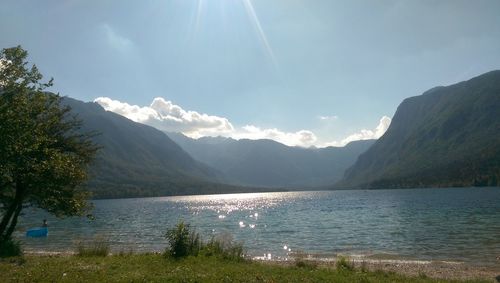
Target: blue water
{"x":459,"y":224}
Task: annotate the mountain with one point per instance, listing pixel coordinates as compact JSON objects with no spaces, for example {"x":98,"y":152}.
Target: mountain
{"x":448,"y":136}
{"x":266,"y":163}
{"x":139,"y":160}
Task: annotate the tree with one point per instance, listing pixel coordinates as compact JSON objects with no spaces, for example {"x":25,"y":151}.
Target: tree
{"x":43,"y":155}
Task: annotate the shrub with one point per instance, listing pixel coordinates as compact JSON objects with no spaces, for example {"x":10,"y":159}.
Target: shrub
{"x":301,"y":261}
{"x":98,"y":247}
{"x":343,"y":264}
{"x":224,"y":247}
{"x":10,"y":248}
{"x":182,"y":241}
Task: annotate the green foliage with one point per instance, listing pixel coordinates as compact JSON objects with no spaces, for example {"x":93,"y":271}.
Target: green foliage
{"x":223,"y":246}
{"x":97,"y":247}
{"x":342,"y":263}
{"x":302,"y":261}
{"x":10,"y":248}
{"x":182,"y":241}
{"x":44,"y":157}
{"x":185,"y":241}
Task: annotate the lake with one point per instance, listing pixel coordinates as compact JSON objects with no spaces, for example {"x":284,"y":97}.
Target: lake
{"x":456,"y":224}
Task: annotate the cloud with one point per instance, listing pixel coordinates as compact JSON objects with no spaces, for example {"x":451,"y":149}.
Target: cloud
{"x":116,"y":40}
{"x":166,"y":116}
{"x":302,"y":138}
{"x":325,"y":118}
{"x":364,"y":134}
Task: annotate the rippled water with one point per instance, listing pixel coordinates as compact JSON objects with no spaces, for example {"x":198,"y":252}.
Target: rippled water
{"x":430,"y":224}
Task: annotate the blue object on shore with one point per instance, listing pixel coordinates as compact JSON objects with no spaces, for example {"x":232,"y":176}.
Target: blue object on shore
{"x":37,"y":232}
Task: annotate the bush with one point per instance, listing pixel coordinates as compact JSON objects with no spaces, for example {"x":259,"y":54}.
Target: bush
{"x":224,"y":247}
{"x":301,"y":261}
{"x":98,"y":247}
{"x":182,"y":241}
{"x":343,"y":264}
{"x":10,"y":248}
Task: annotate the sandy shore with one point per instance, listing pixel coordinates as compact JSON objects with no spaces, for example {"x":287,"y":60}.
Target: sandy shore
{"x":432,"y":269}
{"x":437,"y":269}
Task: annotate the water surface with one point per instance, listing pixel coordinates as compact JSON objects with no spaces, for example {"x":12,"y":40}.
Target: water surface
{"x":459,"y":224}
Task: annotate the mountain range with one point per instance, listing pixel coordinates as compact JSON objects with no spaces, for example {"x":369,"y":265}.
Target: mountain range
{"x":266,"y":163}
{"x":139,"y":160}
{"x":448,"y":136}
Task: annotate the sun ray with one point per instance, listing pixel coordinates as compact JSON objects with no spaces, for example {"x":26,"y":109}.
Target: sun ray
{"x":260,"y":32}
{"x":199,"y":12}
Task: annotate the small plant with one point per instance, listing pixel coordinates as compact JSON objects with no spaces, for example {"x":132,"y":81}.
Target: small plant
{"x":422,"y":275}
{"x":309,"y":264}
{"x":343,"y":264}
{"x":10,"y":248}
{"x":182,"y":241}
{"x":224,"y":247}
{"x":128,"y":252}
{"x":98,"y":247}
{"x":301,"y":261}
{"x":364,"y":267}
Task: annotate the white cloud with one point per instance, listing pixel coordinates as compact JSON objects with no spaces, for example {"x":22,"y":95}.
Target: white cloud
{"x":325,"y":118}
{"x":166,"y":116}
{"x":364,"y":134}
{"x":300,"y":138}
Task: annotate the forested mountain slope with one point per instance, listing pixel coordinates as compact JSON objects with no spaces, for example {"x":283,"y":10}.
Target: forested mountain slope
{"x":448,"y":136}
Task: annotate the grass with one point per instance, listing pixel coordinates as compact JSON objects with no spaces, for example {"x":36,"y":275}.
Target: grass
{"x":344,"y":264}
{"x":302,"y":261}
{"x":98,"y":247}
{"x":185,"y":241}
{"x":157,"y":268}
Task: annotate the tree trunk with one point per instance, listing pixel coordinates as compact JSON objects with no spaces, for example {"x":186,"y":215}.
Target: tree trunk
{"x":13,"y":222}
{"x":14,"y":210}
{"x":7,"y":218}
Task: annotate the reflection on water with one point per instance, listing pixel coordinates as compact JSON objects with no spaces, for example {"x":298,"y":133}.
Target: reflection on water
{"x":444,"y":224}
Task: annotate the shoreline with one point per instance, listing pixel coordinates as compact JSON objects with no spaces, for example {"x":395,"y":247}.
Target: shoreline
{"x":451,"y":270}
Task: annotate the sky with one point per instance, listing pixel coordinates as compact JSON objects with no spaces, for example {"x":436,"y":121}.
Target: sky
{"x":301,"y":72}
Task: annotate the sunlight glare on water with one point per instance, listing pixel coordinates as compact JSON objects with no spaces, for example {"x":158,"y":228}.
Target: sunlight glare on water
{"x":440,"y":224}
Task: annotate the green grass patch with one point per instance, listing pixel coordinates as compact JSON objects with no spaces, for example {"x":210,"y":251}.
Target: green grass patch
{"x":157,"y":268}
{"x":97,"y":247}
{"x":344,"y":264}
